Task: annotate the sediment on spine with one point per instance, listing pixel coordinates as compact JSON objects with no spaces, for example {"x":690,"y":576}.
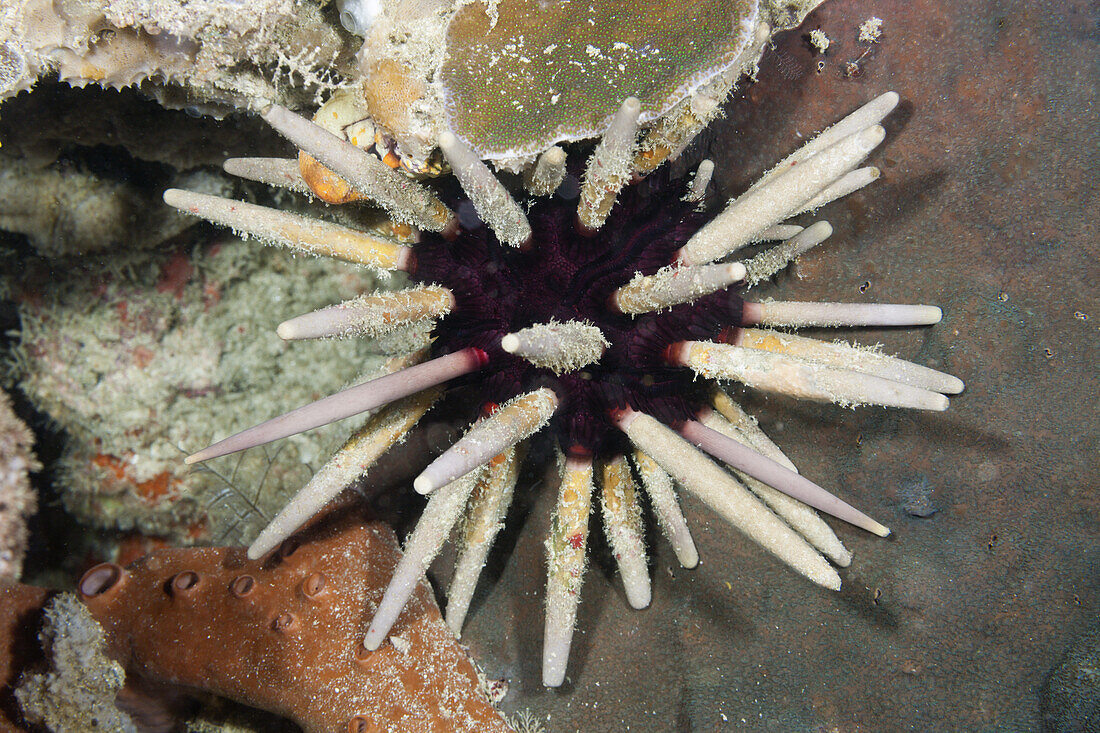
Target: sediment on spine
{"x":725,"y":495}
{"x":516,"y":420}
{"x":546,"y":175}
{"x":352,"y":460}
{"x":493,"y":203}
{"x":609,"y":167}
{"x":431,"y":531}
{"x":566,"y":562}
{"x":488,"y":506}
{"x":801,"y":517}
{"x":622,"y":522}
{"x":403,"y":198}
{"x":302,"y":233}
{"x":658,"y":485}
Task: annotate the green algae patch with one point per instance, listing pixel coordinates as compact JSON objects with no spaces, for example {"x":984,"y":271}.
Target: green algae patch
{"x":544,"y":72}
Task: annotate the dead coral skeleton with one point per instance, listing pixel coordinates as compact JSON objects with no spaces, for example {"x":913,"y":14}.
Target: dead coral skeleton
{"x":208,"y":48}
{"x":18,"y":500}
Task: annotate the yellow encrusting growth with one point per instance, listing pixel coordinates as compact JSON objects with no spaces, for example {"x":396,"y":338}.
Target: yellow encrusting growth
{"x":273,"y":226}
{"x":622,"y":522}
{"x":566,"y":561}
{"x":484,"y":519}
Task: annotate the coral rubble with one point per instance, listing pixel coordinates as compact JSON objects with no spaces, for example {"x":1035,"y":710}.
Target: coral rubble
{"x":18,"y":500}
{"x":285,"y":634}
{"x":78,"y":691}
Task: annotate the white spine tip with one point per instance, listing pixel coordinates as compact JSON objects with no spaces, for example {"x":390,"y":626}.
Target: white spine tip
{"x":510,"y":343}
{"x":423,"y":485}
{"x":737,"y":272}
{"x":285,"y":331}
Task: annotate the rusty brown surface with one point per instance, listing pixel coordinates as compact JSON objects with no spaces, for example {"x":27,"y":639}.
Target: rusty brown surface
{"x":284,"y":633}
{"x":986,"y":208}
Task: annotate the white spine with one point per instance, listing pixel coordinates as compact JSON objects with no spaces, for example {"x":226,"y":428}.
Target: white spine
{"x":304,"y":234}
{"x":800,"y":516}
{"x":516,"y":420}
{"x":488,"y":506}
{"x":622,"y":522}
{"x":370,"y":315}
{"x":610,"y":166}
{"x":674,"y":285}
{"x":869,"y":114}
{"x":559,"y":347}
{"x":490,"y":198}
{"x":403,"y":198}
{"x":566,"y":563}
{"x":544,"y":178}
{"x":354,"y":459}
{"x":699,"y":183}
{"x":658,"y":485}
{"x":760,"y":208}
{"x":762,"y":468}
{"x":796,"y":377}
{"x":279,"y":172}
{"x":725,"y":495}
{"x":801,"y":315}
{"x":847,"y":356}
{"x":435,"y":524}
{"x":769,"y":262}
{"x":846,"y":184}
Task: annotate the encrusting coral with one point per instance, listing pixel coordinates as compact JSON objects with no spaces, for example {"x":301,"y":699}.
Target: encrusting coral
{"x":18,"y":500}
{"x":128,"y":355}
{"x":285,"y":634}
{"x":211,"y":50}
{"x":78,"y":690}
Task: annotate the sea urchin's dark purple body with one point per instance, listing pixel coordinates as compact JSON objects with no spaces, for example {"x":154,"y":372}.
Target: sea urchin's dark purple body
{"x":567,"y":274}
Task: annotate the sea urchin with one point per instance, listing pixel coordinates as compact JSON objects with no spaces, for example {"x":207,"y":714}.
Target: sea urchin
{"x":604,"y":325}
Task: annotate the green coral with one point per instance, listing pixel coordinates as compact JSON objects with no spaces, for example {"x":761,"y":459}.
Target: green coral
{"x":519,"y":82}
